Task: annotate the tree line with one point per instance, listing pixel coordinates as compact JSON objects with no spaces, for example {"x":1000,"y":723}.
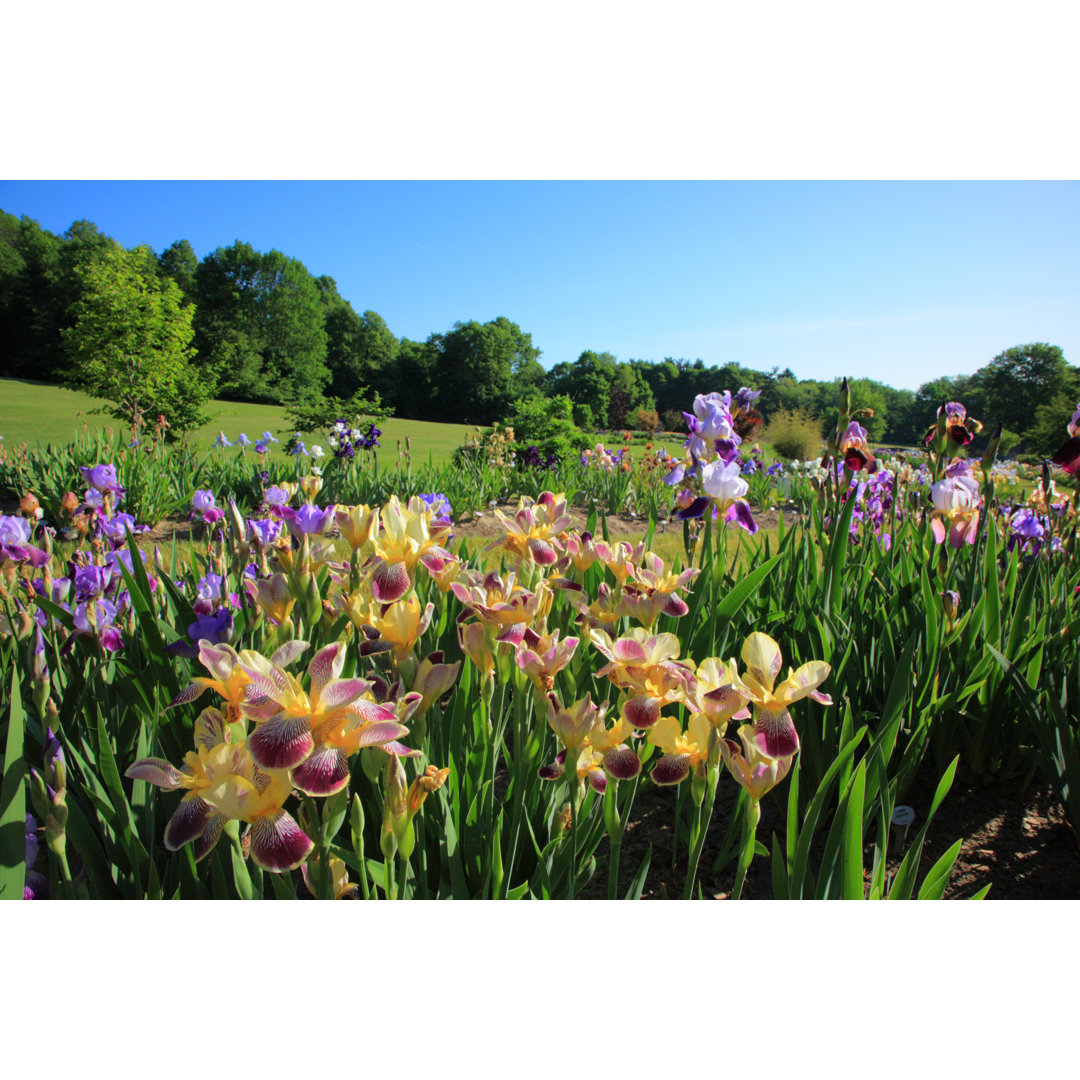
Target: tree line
{"x":241,"y":324}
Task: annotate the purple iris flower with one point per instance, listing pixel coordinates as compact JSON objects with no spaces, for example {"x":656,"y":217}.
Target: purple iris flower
{"x":268,"y":438}
{"x":221,"y":442}
{"x":209,"y":587}
{"x":746,"y":397}
{"x":1027,"y":531}
{"x":263,"y":532}
{"x":203,"y":501}
{"x":118,"y":526}
{"x":275,"y":496}
{"x":15,"y":535}
{"x":91,"y":581}
{"x":298,"y":449}
{"x":439,"y":506}
{"x":102,"y":478}
{"x":309,"y":520}
{"x":215,"y":627}
{"x":94,"y":499}
{"x":243,"y":440}
{"x":105,"y":612}
{"x":262,"y":447}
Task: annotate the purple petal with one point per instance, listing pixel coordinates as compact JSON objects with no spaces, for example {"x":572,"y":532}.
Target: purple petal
{"x":323,"y":773}
{"x":278,"y":844}
{"x":281,"y":742}
{"x":622,"y":763}
{"x":695,"y":510}
{"x":671,"y":769}
{"x":188,"y":822}
{"x":389,"y":582}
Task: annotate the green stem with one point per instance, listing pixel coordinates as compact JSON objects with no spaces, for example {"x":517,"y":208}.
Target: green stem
{"x":700,"y":829}
{"x":615,"y":833}
{"x":746,"y":855}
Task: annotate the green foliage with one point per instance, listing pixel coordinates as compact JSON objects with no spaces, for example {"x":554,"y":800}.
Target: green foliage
{"x":1020,"y":380}
{"x":131,"y":343}
{"x":547,"y":424}
{"x":794,"y":434}
{"x":317,"y":413}
{"x":259,"y":320}
{"x":480,"y":369}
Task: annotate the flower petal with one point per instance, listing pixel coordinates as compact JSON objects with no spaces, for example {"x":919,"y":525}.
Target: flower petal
{"x":188,"y":822}
{"x":389,"y":582}
{"x":156,"y":771}
{"x":323,"y":773}
{"x":281,"y":742}
{"x":774,"y":732}
{"x":622,"y":763}
{"x":278,"y":844}
{"x":642,"y":712}
{"x":671,"y":769}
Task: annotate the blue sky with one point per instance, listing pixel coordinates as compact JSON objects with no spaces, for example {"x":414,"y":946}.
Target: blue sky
{"x":898,"y":281}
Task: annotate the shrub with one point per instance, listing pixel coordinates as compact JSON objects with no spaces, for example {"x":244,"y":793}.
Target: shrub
{"x":548,"y":424}
{"x":673,"y":420}
{"x":647,"y":420}
{"x":794,"y":434}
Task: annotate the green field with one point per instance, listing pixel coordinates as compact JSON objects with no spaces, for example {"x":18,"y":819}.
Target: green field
{"x":41,"y":413}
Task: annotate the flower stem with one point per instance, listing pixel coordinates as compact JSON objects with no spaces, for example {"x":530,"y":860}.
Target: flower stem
{"x":746,"y":855}
{"x":699,"y":830}
{"x":614,"y":831}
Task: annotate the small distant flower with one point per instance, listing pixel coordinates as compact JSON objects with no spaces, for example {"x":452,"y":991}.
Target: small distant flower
{"x":221,"y":442}
{"x":267,"y":437}
{"x":298,"y":448}
{"x":243,"y":440}
{"x":317,"y":451}
{"x":103,"y":479}
{"x":262,"y":447}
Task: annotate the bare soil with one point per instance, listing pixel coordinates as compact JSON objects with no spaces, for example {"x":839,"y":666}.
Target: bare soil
{"x":1014,"y":839}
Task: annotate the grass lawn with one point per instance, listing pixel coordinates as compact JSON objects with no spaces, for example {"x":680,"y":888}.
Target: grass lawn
{"x":41,"y":413}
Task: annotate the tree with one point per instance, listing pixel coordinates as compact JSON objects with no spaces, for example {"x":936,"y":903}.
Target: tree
{"x":478,"y":369}
{"x":179,"y":262}
{"x":131,"y":341}
{"x":1017,"y":381}
{"x":260,"y":321}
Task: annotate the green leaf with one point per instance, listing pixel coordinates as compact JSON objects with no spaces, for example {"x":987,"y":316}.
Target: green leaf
{"x":937,"y":879}
{"x":13,"y":801}
{"x":637,"y":886}
{"x":852,"y":866}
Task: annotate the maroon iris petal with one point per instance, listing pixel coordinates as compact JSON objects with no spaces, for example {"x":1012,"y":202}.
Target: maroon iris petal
{"x":188,"y":822}
{"x":278,"y":843}
{"x":281,"y":743}
{"x":622,"y":763}
{"x":326,"y":771}
{"x":671,"y":769}
{"x":1068,"y":457}
{"x":390,"y":582}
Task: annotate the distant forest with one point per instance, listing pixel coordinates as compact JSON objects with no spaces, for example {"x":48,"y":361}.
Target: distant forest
{"x":267,"y":330}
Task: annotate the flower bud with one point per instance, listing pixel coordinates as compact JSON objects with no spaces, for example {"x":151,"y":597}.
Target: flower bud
{"x":950,"y":602}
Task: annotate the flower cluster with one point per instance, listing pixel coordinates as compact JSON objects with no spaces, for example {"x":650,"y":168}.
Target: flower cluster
{"x":712,"y":475}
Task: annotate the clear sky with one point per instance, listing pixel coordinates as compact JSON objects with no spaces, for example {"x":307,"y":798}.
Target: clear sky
{"x":897,"y":281}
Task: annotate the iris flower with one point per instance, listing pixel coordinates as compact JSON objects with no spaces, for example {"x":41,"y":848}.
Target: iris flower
{"x":313,"y":731}
{"x":956,"y":502}
{"x":756,"y":772}
{"x":222,"y":782}
{"x":684,"y":752}
{"x":774,"y":730}
{"x":533,"y":534}
{"x":408,"y":536}
{"x":1068,"y":456}
{"x":645,"y":668}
